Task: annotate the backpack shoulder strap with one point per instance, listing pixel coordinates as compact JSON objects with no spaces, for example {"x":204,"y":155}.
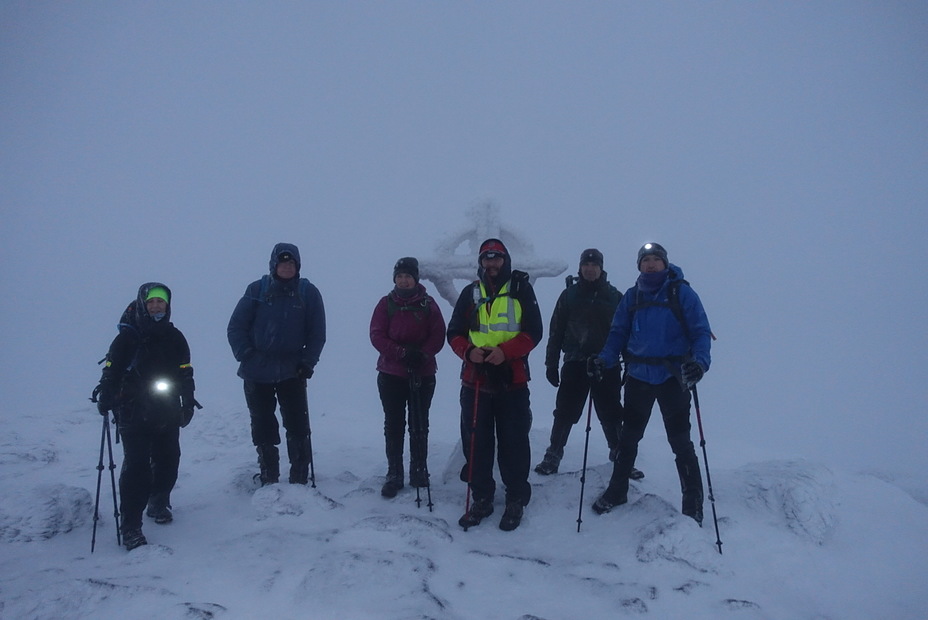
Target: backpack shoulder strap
{"x":263,"y":289}
{"x":304,"y":289}
{"x":673,"y":294}
{"x":673,"y":302}
{"x":424,"y":307}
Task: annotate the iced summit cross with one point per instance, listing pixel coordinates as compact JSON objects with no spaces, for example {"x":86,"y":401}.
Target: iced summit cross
{"x":450,"y":263}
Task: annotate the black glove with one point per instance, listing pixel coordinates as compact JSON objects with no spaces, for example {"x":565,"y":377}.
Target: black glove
{"x":595,"y":367}
{"x":186,"y":414}
{"x":552,"y":375}
{"x":413,"y":358}
{"x":691,"y":373}
{"x":102,"y":396}
{"x":304,"y":371}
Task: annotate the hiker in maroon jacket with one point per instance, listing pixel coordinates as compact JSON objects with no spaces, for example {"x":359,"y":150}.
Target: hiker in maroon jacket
{"x":407,"y":329}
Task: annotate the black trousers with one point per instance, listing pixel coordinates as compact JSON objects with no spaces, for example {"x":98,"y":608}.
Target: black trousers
{"x":503,"y":422}
{"x":399,"y":405}
{"x":149,"y":467}
{"x":576,"y":386}
{"x":262,"y":400}
{"x":674,"y":403}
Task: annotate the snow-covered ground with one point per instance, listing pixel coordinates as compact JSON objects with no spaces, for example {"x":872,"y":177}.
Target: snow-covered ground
{"x":801,"y":539}
{"x":775,"y":149}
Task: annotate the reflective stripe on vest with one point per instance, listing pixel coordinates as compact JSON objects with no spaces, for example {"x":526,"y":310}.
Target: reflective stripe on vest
{"x":498,"y":320}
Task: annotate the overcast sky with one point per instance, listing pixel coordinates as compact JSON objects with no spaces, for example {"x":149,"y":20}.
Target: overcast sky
{"x":777,"y":150}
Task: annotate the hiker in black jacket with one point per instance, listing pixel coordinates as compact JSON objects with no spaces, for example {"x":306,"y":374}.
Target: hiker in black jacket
{"x":579,"y":326}
{"x":148,"y":383}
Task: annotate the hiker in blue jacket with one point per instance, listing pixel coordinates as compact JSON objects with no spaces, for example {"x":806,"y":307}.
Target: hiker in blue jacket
{"x":277,"y":332}
{"x":661,"y":332}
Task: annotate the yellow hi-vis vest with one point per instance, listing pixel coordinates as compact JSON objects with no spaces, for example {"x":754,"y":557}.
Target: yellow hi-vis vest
{"x":498,"y":320}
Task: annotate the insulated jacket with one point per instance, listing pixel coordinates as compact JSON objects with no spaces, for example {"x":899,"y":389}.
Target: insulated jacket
{"x":514,"y":372}
{"x":654,"y":332}
{"x":581,"y":320}
{"x":277,"y":326}
{"x":412,"y":322}
{"x":145,"y":353}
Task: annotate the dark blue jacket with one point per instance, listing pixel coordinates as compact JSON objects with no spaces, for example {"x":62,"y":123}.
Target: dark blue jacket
{"x":654,"y":332}
{"x":277,"y":325}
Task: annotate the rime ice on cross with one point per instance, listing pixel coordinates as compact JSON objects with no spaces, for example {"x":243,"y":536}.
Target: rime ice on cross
{"x":448,"y":265}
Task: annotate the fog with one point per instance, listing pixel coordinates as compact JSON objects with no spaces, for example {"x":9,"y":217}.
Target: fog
{"x":777,"y":150}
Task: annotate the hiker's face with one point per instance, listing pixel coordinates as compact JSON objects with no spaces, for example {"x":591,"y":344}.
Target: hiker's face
{"x":652,"y":264}
{"x":156,"y":305}
{"x":590,"y":272}
{"x":492,"y":265}
{"x":404,"y":281}
{"x":286,"y":269}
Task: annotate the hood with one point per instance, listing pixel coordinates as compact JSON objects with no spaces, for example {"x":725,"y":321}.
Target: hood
{"x":504,"y":273}
{"x":141,"y":309}
{"x":279,"y":249}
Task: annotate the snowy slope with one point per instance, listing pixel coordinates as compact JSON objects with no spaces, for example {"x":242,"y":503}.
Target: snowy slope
{"x":801,"y":539}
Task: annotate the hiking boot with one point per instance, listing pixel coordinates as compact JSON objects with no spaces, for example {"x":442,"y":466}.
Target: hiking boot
{"x":269,"y":463}
{"x":159,"y":508}
{"x":161,"y":514}
{"x":298,"y":451}
{"x":512,"y":517}
{"x":262,"y":481}
{"x":695,"y":514}
{"x":609,"y":500}
{"x":634,"y":474}
{"x":419,"y":478}
{"x":393,"y":484}
{"x":299,"y":475}
{"x":548,"y":465}
{"x":479,"y":510}
{"x":691,"y":485}
{"x":390,"y":488}
{"x":133,"y":538}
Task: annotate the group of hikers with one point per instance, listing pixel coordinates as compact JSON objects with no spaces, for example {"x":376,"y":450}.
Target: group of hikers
{"x":658,"y":330}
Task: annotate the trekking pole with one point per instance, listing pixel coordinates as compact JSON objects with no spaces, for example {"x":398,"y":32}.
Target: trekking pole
{"x":309,"y":436}
{"x":112,"y":468}
{"x":586,"y":447}
{"x":473,"y":435}
{"x":105,"y":442}
{"x":705,"y":458}
{"x":415,"y":382}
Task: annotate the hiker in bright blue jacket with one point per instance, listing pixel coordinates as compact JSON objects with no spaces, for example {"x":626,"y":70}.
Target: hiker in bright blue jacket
{"x":277,"y":332}
{"x":661,"y":332}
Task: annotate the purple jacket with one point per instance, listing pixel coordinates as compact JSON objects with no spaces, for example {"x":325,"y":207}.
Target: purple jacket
{"x":412,"y":322}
